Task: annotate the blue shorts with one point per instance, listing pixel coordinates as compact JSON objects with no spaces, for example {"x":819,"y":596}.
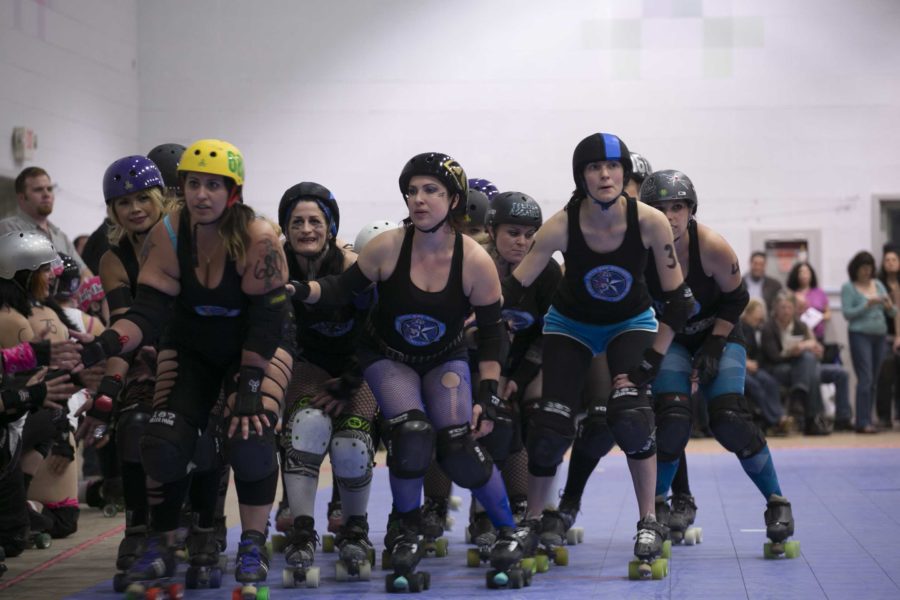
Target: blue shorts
{"x":675,"y":373}
{"x":597,"y":337}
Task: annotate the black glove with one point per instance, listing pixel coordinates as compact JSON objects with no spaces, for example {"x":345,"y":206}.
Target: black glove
{"x":344,"y":386}
{"x":41,"y":352}
{"x":644,"y":372}
{"x":16,"y":402}
{"x":706,"y":361}
{"x":495,"y":409}
{"x":110,"y":387}
{"x":62,"y":447}
{"x":525,"y":374}
{"x":249,"y":393}
{"x":104,"y":345}
{"x":301,"y":289}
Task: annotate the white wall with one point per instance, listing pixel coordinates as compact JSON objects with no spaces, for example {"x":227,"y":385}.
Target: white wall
{"x":68,"y":71}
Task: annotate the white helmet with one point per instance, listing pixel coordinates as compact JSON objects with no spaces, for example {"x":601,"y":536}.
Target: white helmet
{"x":368,"y":233}
{"x":25,"y":251}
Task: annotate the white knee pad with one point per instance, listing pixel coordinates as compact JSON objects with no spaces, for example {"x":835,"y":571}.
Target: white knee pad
{"x":351,"y":457}
{"x":310,"y":432}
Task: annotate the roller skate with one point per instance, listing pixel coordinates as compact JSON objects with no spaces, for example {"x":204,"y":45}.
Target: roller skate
{"x":205,"y":570}
{"x":536,"y":561}
{"x":150,"y":576}
{"x":651,"y":550}
{"x":519,"y":507}
{"x":284,"y":521}
{"x":252,"y":567}
{"x":482,"y":534}
{"x":335,"y":516}
{"x":356,"y":554}
{"x":113,"y":497}
{"x":568,"y":509}
{"x":434,"y":522}
{"x":221,"y":528}
{"x":300,"y":553}
{"x":510,"y":566}
{"x":130,"y":548}
{"x":402,"y":552}
{"x":681,"y":521}
{"x":554,"y":535}
{"x":39,"y":529}
{"x":779,"y":527}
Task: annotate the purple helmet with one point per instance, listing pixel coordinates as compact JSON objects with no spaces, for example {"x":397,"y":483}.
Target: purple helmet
{"x":485,"y":187}
{"x":131,"y":174}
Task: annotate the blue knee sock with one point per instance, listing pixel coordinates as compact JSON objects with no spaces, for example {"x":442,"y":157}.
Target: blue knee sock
{"x":665,"y":473}
{"x":761,"y":471}
{"x":492,"y":497}
{"x":407,"y":493}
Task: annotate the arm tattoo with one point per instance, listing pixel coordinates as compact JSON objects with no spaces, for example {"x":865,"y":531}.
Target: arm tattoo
{"x":145,"y":251}
{"x":671,"y":251}
{"x":50,"y":324}
{"x":269,"y":269}
{"x":22,"y":336}
{"x":734,"y":268}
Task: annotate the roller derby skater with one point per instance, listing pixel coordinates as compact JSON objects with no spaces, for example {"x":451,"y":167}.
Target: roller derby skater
{"x":413,"y":354}
{"x":709,"y":352}
{"x":252,"y":567}
{"x":601,"y":305}
{"x":206,"y":563}
{"x":434,"y":524}
{"x":356,"y":554}
{"x":779,"y":527}
{"x":153,"y":572}
{"x":482,"y":534}
{"x":511,"y":558}
{"x":299,"y":555}
{"x":681,"y":520}
{"x":650,"y":546}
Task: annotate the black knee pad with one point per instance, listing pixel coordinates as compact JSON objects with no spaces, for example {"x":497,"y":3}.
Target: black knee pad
{"x":673,"y":425}
{"x":255,"y":458}
{"x":461,"y":458}
{"x":551,"y":429}
{"x":498,"y":443}
{"x":64,"y":520}
{"x":733,"y":427}
{"x":410,"y":444}
{"x":632,"y":422}
{"x":257,"y":493}
{"x":167,"y":447}
{"x":130,"y":426}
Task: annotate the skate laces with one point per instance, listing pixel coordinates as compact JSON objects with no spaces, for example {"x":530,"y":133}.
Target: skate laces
{"x":645,"y":536}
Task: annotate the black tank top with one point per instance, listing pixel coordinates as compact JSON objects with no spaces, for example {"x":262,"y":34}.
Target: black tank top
{"x":124,"y":251}
{"x":210,"y":320}
{"x":418,"y":323}
{"x":326,"y":337}
{"x":603,"y":288}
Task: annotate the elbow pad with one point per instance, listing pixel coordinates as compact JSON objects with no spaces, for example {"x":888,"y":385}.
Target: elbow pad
{"x":493,"y":341}
{"x":732,"y":303}
{"x":512,"y":289}
{"x":150,"y":311}
{"x":679,"y":305}
{"x":338,"y":290}
{"x":267,"y":314}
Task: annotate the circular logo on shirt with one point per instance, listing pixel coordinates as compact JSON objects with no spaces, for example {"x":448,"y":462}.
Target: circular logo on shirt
{"x":518,"y":320}
{"x":332,"y":329}
{"x":419,"y":330}
{"x":608,"y":283}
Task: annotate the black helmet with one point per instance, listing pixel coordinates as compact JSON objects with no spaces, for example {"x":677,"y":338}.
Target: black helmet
{"x":514,"y":208}
{"x":441,"y":166}
{"x":641,"y":167}
{"x":166,"y":157}
{"x":310,"y":191}
{"x":664,"y":186}
{"x":69,"y":280}
{"x":597,"y":147}
{"x":476,"y":207}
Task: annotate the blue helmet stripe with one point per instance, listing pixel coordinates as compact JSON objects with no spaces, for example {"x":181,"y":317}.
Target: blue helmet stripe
{"x":612,"y":146}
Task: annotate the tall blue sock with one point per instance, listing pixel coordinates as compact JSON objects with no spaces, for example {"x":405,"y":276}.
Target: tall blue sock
{"x":407,"y":493}
{"x":665,"y":473}
{"x":761,"y":470}
{"x":492,"y":497}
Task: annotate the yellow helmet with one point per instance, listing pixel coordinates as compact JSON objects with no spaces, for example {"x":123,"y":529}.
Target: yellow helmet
{"x":215,"y":157}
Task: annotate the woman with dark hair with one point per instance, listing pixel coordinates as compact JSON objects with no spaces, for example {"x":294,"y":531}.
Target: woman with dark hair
{"x":865,"y":303}
{"x":803,"y":282}
{"x":887,"y":388}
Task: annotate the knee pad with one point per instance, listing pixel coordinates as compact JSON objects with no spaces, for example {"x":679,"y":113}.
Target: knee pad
{"x":410,"y":444}
{"x":550,"y":433}
{"x":351,"y":455}
{"x":64,"y":519}
{"x":673,"y":425}
{"x":733,"y":427}
{"x":306,"y":441}
{"x":461,"y":458}
{"x":167,"y":447}
{"x":595,"y":438}
{"x":253,"y":459}
{"x":130,"y":426}
{"x":632,"y":422}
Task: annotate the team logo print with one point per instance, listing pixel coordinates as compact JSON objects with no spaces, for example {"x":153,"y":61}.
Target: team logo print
{"x":518,"y":320}
{"x":419,"y":330}
{"x":608,"y":283}
{"x":216,"y":311}
{"x":332,"y":329}
{"x":456,"y":171}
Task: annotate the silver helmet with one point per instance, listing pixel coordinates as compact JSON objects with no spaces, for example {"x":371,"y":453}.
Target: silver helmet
{"x":370,"y":231}
{"x":25,"y":251}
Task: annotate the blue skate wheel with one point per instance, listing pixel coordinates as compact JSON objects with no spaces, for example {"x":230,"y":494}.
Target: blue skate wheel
{"x":501,"y":578}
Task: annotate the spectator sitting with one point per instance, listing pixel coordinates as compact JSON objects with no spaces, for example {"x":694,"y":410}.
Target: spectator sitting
{"x":791,"y":354}
{"x":760,"y":386}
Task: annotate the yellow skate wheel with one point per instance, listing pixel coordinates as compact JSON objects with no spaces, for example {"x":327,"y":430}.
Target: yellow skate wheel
{"x":279,"y":543}
{"x":328,"y":543}
{"x":667,"y":549}
{"x":792,"y":549}
{"x":473,"y":557}
{"x":385,"y":560}
{"x":542,"y":562}
{"x":528,"y":565}
{"x":441,"y":546}
{"x":659,"y":568}
{"x":561,"y":556}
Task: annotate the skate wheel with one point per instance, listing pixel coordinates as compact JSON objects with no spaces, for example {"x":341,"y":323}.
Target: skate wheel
{"x":792,"y":549}
{"x":190,"y":578}
{"x":312,"y":577}
{"x":371,"y":556}
{"x":449,"y":522}
{"x":572,"y":537}
{"x":580,"y":531}
{"x":223,"y":562}
{"x":528,"y":566}
{"x":454,"y":502}
{"x":279,"y":543}
{"x":328,"y":543}
{"x":385,"y":560}
{"x":659,"y":569}
{"x":365,"y":571}
{"x":153,"y":593}
{"x":468,"y":537}
{"x":175,"y":591}
{"x":397,"y":583}
{"x":638,"y":569}
{"x":561,"y":556}
{"x":42,"y":541}
{"x":441,"y":546}
{"x":473,"y":557}
{"x":134,"y":591}
{"x":693,"y":535}
{"x":666,"y":549}
{"x":340,"y":571}
{"x":120,"y":582}
{"x":542,"y":562}
{"x":262,"y":594}
{"x":215,"y":578}
{"x":516,"y":579}
{"x":500,"y":578}
{"x":110,"y":511}
{"x":287,"y":578}
{"x":769,"y":552}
